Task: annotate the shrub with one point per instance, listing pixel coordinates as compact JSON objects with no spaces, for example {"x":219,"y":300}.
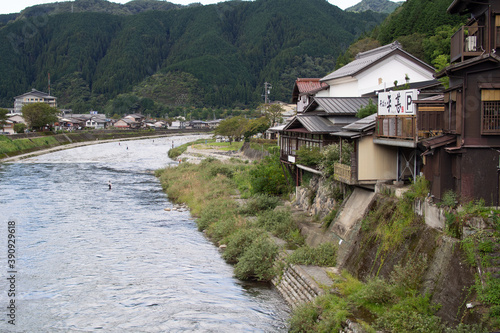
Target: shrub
{"x":267,"y":177}
{"x":449,"y":199}
{"x":238,"y":241}
{"x":257,"y":261}
{"x":280,"y":223}
{"x":409,"y":276}
{"x":324,"y":255}
{"x":309,"y":156}
{"x":327,"y":313}
{"x":258,"y":203}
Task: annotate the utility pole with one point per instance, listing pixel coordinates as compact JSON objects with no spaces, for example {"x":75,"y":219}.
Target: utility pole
{"x":267,"y":91}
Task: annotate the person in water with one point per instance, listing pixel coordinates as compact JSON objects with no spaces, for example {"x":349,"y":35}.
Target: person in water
{"x":109,"y":184}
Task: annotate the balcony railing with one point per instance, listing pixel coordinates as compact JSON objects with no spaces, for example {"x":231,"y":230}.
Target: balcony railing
{"x":344,"y":173}
{"x":396,"y":127}
{"x":468,"y":41}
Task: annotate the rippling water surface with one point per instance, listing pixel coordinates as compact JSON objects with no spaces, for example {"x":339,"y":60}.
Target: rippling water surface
{"x":92,"y":259}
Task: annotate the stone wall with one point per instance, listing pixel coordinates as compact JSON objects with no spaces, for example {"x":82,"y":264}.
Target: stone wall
{"x":315,"y":198}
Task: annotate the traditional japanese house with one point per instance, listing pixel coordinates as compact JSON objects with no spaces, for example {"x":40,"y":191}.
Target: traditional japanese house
{"x":304,"y":90}
{"x":465,"y":159}
{"x":314,"y":128}
{"x":369,"y":162}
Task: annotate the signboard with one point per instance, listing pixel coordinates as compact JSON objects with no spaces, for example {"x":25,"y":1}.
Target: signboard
{"x":397,"y":103}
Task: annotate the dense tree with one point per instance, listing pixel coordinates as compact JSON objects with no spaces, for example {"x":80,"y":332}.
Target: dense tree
{"x":3,"y":118}
{"x":39,"y":115}
{"x":365,"y":111}
{"x":233,"y":128}
{"x":273,"y":113}
{"x":202,"y":56}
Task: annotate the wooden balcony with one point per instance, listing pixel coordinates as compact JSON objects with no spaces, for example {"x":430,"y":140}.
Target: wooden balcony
{"x":344,"y":173}
{"x":396,"y":127}
{"x":468,"y":41}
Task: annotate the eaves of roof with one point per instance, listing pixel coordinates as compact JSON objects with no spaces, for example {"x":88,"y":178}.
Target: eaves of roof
{"x":367,"y":60}
{"x":338,"y":105}
{"x":467,"y":63}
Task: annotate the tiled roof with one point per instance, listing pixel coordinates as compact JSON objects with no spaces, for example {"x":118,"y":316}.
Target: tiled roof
{"x":365,"y":59}
{"x":338,"y":105}
{"x":35,"y":92}
{"x":308,"y":85}
{"x":312,"y":124}
{"x":363,"y":124}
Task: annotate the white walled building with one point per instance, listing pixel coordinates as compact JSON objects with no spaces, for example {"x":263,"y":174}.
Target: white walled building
{"x":374,"y":70}
{"x":34,"y":96}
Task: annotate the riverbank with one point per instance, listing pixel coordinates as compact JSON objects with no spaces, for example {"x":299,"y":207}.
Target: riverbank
{"x":393,"y":270}
{"x":72,"y":140}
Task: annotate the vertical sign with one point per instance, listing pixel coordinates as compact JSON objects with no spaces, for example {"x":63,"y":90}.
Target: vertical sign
{"x":400,"y":102}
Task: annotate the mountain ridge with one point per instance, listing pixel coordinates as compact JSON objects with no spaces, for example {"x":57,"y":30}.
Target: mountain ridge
{"x":225,"y":51}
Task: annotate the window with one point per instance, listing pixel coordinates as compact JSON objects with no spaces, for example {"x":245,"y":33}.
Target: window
{"x":490,"y":111}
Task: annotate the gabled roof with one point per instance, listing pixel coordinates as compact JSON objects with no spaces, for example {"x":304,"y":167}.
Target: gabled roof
{"x":307,"y":86}
{"x":487,"y":57}
{"x":365,"y":60}
{"x":358,"y":128}
{"x":338,"y":105}
{"x":37,"y":93}
{"x":311,"y":124}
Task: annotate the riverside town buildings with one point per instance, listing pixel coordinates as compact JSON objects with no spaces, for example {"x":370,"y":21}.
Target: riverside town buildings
{"x":450,"y":136}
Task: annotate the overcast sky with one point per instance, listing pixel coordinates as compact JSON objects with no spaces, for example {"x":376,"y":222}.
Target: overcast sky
{"x":15,"y":6}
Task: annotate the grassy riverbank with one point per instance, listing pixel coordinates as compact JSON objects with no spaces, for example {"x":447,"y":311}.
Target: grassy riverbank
{"x":14,"y":145}
{"x":239,"y":206}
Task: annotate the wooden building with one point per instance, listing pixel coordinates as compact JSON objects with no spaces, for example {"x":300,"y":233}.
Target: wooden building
{"x":465,"y":159}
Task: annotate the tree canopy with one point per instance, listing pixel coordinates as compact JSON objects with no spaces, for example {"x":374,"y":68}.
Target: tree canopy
{"x":39,"y":115}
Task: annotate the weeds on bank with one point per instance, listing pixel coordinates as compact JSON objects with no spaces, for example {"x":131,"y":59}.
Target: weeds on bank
{"x":8,"y":145}
{"x":208,"y":188}
{"x":378,"y":305}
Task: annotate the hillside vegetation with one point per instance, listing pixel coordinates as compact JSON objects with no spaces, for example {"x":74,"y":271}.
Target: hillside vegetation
{"x":379,"y":6}
{"x":214,"y":55}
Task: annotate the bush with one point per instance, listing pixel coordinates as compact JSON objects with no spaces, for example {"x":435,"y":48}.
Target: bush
{"x":309,"y":156}
{"x":280,"y":223}
{"x":238,"y":241}
{"x":327,"y":313}
{"x":267,"y":177}
{"x":324,"y":255}
{"x":257,"y":261}
{"x":258,"y":203}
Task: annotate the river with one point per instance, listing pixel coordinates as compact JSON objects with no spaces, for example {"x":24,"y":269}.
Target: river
{"x":90,"y":259}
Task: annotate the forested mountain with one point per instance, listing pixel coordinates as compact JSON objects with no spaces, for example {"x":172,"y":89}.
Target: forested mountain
{"x":379,"y":6}
{"x":213,"y":55}
{"x":423,"y":28}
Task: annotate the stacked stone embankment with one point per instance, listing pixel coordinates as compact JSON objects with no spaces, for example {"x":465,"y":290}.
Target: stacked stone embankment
{"x":301,"y":284}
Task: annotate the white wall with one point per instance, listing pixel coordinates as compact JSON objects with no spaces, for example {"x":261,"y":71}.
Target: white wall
{"x":344,"y":87}
{"x":380,"y":76}
{"x":389,"y":70}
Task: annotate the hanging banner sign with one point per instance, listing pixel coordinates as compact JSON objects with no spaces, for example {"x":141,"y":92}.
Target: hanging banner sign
{"x":397,"y":103}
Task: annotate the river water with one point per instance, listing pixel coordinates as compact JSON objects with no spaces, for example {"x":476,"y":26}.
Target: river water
{"x":90,"y":259}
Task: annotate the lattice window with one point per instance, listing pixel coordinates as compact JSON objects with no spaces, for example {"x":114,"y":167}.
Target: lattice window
{"x":490,"y":117}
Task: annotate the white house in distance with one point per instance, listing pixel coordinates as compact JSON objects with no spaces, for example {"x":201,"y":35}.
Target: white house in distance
{"x":34,"y":96}
{"x":376,"y":70}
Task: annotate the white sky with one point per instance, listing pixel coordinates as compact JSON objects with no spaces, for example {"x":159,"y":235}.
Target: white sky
{"x":15,"y":6}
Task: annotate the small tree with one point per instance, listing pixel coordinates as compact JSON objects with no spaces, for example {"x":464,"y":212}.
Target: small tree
{"x":233,"y":128}
{"x":19,"y":127}
{"x":3,"y":118}
{"x":38,"y":115}
{"x":273,"y":112}
{"x":365,"y":111}
{"x":255,"y":126}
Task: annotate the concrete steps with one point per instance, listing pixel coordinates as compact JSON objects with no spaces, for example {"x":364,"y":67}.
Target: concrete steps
{"x":301,"y":284}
